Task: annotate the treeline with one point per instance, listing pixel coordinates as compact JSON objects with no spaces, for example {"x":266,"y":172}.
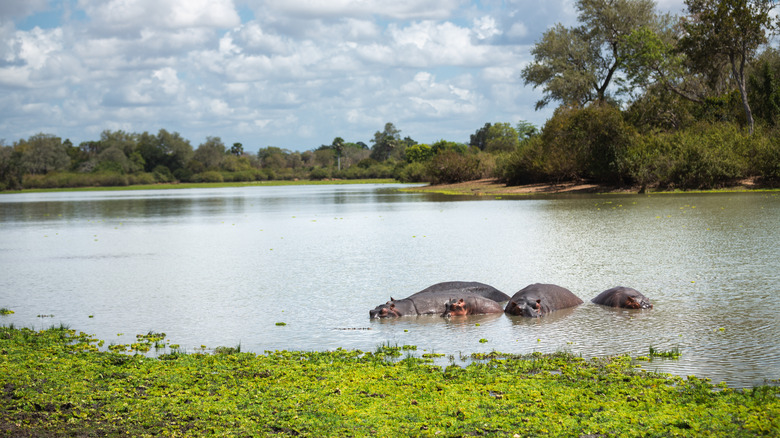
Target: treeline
{"x":645,"y":99}
{"x":121,"y":158}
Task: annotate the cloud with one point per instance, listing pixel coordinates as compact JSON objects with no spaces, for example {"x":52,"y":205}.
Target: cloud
{"x":398,"y":9}
{"x":295,"y":75}
{"x":160,"y":14}
{"x":10,"y":9}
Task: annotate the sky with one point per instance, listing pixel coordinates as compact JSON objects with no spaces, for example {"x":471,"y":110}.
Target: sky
{"x":294,"y":74}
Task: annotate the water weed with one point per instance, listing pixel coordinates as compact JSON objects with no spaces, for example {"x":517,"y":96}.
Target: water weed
{"x":53,"y":384}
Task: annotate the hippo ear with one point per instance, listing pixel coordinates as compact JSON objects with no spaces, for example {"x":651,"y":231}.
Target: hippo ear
{"x":461,"y":300}
{"x":392,"y":299}
{"x":392,"y":305}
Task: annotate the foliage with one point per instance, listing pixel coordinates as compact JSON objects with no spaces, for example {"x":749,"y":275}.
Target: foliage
{"x":575,"y":144}
{"x":385,"y":142}
{"x":577,"y":65}
{"x":449,"y":167}
{"x":704,"y":156}
{"x":728,"y":31}
{"x":56,"y":382}
{"x":501,"y":137}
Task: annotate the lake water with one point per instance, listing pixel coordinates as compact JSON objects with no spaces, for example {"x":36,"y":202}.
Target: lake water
{"x":220,"y":267}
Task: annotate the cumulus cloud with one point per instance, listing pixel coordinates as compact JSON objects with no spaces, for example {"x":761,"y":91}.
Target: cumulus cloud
{"x":299,"y":73}
{"x":398,"y":9}
{"x":20,"y":8}
{"x":160,"y":14}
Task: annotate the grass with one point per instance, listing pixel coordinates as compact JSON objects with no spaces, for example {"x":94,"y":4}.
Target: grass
{"x":167,"y":186}
{"x":53,"y":383}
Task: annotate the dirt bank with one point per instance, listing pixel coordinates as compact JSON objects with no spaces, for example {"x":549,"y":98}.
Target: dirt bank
{"x":492,"y":187}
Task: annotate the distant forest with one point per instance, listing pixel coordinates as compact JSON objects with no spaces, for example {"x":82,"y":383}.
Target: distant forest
{"x":644,"y":99}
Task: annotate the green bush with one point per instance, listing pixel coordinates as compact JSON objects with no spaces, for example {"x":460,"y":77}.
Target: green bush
{"x":319,"y":173}
{"x":450,"y":167}
{"x":163,"y":174}
{"x":764,"y":157}
{"x":413,"y":172}
{"x":575,"y":143}
{"x":704,"y":156}
{"x":211,"y":176}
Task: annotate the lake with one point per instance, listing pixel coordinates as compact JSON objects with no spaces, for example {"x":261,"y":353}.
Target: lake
{"x":223,"y":266}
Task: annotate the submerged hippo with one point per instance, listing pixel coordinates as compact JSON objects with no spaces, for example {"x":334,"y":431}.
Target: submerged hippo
{"x":624,"y":297}
{"x":437,"y":299}
{"x":471,"y":304}
{"x":476,"y":287}
{"x":537,"y":300}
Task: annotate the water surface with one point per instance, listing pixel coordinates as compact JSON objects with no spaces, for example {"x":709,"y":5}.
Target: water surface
{"x":220,"y":267}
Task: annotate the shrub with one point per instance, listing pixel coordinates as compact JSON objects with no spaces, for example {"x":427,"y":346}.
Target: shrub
{"x":211,"y":176}
{"x":162,"y":174}
{"x":450,"y":167}
{"x":704,"y":156}
{"x":575,"y":143}
{"x":319,"y":173}
{"x":413,"y":172}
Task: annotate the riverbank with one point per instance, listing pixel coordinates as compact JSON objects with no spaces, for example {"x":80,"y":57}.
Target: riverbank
{"x":493,"y":188}
{"x":173,"y":186}
{"x":55,"y":382}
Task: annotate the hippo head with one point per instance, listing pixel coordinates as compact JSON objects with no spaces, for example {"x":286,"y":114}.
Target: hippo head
{"x":386,"y":310}
{"x":637,"y":302}
{"x":524,"y":307}
{"x":456,"y":307}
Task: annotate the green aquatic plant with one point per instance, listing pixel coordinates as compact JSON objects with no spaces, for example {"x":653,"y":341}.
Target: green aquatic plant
{"x":49,"y":386}
{"x":674,"y":353}
{"x":5,"y":311}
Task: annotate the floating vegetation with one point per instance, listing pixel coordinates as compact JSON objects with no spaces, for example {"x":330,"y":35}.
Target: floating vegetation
{"x":280,"y":324}
{"x":45,"y":316}
{"x":482,"y":341}
{"x":432,"y":355}
{"x":47,"y":390}
{"x":674,"y":353}
{"x":6,"y":311}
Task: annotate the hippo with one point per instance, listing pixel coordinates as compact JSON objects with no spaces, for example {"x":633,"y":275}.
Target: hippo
{"x":624,"y":297}
{"x":477,"y":297}
{"x":471,"y":304}
{"x":476,"y":287}
{"x":537,"y":300}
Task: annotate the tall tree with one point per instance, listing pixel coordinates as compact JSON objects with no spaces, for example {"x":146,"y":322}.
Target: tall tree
{"x":479,"y":138}
{"x":43,"y":153}
{"x":578,"y":65}
{"x":732,"y":29}
{"x":338,"y":146}
{"x":385,"y":142}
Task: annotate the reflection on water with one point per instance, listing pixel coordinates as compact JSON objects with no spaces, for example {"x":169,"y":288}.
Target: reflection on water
{"x":223,"y":266}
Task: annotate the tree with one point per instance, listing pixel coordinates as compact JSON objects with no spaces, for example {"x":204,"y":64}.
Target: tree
{"x":385,"y":142}
{"x":525,"y":130}
{"x":338,"y":146}
{"x":479,"y":138}
{"x":237,"y":149}
{"x":43,"y":153}
{"x":211,"y":153}
{"x":765,"y":88}
{"x":731,"y":29}
{"x":578,"y":65}
{"x":501,"y":137}
{"x":419,"y":153}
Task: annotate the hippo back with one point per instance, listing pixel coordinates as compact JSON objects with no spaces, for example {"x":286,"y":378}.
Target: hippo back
{"x":474,"y":287}
{"x":624,"y":297}
{"x":539,"y":299}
